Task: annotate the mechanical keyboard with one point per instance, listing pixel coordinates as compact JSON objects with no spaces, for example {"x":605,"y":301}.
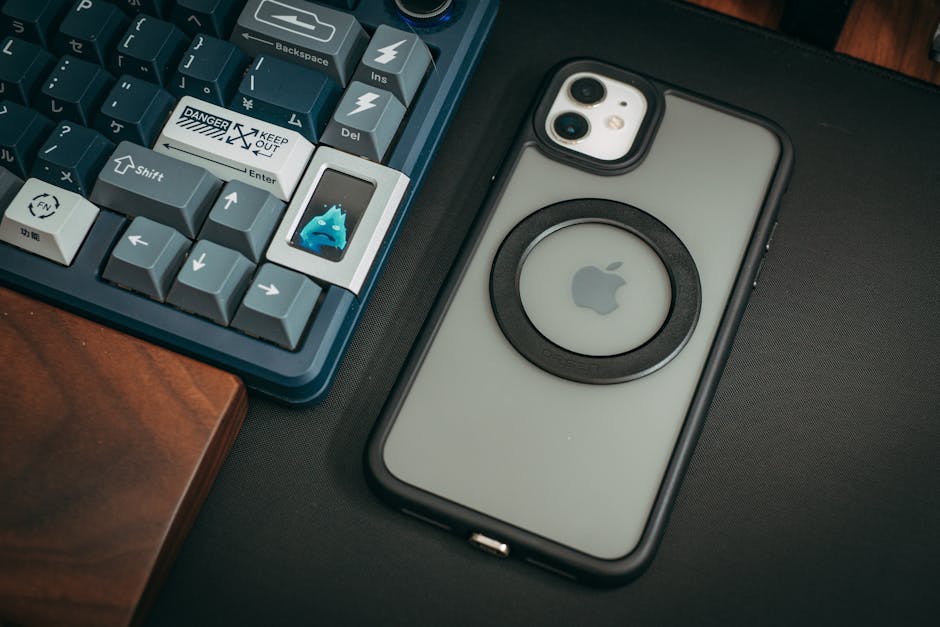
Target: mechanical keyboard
{"x":223,"y":177}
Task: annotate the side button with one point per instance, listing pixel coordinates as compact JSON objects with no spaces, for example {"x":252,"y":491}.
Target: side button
{"x":760,"y":268}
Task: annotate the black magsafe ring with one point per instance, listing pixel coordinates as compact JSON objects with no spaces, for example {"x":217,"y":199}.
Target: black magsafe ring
{"x":646,"y":358}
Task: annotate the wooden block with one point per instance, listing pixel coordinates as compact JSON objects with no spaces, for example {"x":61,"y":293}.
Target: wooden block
{"x":895,"y":35}
{"x":108,"y":447}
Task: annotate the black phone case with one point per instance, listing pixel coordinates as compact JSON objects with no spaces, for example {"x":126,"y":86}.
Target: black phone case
{"x":525,"y":545}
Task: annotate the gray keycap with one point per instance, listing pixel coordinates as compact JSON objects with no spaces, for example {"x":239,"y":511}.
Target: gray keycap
{"x":212,"y":281}
{"x":147,"y":258}
{"x":48,"y":221}
{"x":302,"y":32}
{"x":140,"y":182}
{"x":365,"y":122}
{"x":243,"y":218}
{"x":278,"y":305}
{"x":10,"y":184}
{"x":395,"y":61}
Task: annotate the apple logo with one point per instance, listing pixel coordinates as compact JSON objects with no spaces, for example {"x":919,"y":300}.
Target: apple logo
{"x":595,"y":289}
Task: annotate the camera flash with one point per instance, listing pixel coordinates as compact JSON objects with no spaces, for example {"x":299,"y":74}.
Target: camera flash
{"x":615,"y":122}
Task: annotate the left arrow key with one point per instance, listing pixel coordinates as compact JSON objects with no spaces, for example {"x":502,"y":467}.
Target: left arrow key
{"x":147,"y":258}
{"x":136,"y":181}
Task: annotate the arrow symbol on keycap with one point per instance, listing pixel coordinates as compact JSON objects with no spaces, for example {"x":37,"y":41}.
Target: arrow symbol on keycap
{"x":198,"y":263}
{"x":137,"y":239}
{"x":231,"y":198}
{"x":194,"y":19}
{"x":264,"y":41}
{"x":123,"y":164}
{"x":269,"y":290}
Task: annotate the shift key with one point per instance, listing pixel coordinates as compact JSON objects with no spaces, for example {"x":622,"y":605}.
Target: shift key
{"x":137,"y":181}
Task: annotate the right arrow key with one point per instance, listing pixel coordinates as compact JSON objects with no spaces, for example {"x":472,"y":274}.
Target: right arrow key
{"x":277,"y":306}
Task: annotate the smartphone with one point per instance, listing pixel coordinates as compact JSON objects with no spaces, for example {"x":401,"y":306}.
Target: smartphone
{"x":553,"y":400}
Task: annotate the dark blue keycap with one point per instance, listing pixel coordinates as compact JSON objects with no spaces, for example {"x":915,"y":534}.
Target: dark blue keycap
{"x":157,"y":8}
{"x":21,"y":132}
{"x":149,"y":49}
{"x":72,"y":157}
{"x":73,"y":91}
{"x":214,"y":17}
{"x":288,"y":95}
{"x":90,"y":30}
{"x":134,"y":110}
{"x":22,"y":66}
{"x":209,"y":70}
{"x":32,"y":20}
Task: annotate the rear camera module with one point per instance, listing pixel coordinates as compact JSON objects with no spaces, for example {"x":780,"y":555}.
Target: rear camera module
{"x":587,"y":90}
{"x":571,"y":127}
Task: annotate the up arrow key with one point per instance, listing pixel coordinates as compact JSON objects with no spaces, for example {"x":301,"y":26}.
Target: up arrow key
{"x":199,"y":264}
{"x":269,"y":290}
{"x":137,"y":239}
{"x":231,"y":199}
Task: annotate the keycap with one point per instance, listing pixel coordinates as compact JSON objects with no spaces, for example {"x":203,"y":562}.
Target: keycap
{"x":212,"y":17}
{"x":365,"y":122}
{"x":22,"y":131}
{"x":395,"y":61}
{"x":209,"y":70}
{"x":149,"y":49}
{"x":305,"y":33}
{"x":288,"y":95}
{"x":48,"y":221}
{"x":156,"y":8}
{"x":236,"y":147}
{"x":73,"y":91}
{"x":10,"y":184}
{"x":72,"y":157}
{"x":90,"y":30}
{"x":147,"y":258}
{"x":211,"y":282}
{"x":134,"y":110}
{"x":137,"y":181}
{"x":22,"y":67}
{"x":338,"y":219}
{"x":277,"y":306}
{"x":32,"y":20}
{"x":243,"y":219}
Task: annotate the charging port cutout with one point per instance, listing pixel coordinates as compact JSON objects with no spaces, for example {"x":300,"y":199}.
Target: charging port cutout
{"x":489,"y":545}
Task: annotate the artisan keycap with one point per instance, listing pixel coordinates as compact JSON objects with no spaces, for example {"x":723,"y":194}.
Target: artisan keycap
{"x":22,"y":67}
{"x":32,"y":20}
{"x":9,"y":186}
{"x":149,"y":49}
{"x":288,"y":95}
{"x":73,"y":91}
{"x":395,"y":61}
{"x":22,"y":131}
{"x":209,"y":70}
{"x":147,"y":258}
{"x":212,"y":17}
{"x":140,"y":182}
{"x":243,"y":219}
{"x":156,"y":8}
{"x":309,"y":34}
{"x":48,"y":220}
{"x":72,"y":157}
{"x":277,"y":305}
{"x":365,"y":122}
{"x":134,"y":110}
{"x":236,"y":147}
{"x":90,"y":30}
{"x":212,"y":282}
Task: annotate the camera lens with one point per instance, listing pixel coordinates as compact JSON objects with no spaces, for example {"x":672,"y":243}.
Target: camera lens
{"x":570,"y":126}
{"x":588,"y":90}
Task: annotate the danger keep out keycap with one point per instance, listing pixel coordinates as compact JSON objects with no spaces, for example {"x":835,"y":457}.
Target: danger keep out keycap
{"x":233,"y":146}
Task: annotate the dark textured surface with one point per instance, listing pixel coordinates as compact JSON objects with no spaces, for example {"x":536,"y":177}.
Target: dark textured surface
{"x":812,"y":497}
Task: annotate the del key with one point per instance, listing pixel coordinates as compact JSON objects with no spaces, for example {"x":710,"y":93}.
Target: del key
{"x":302,"y":32}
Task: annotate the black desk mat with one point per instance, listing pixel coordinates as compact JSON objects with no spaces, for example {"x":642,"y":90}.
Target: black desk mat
{"x":814,"y":494}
